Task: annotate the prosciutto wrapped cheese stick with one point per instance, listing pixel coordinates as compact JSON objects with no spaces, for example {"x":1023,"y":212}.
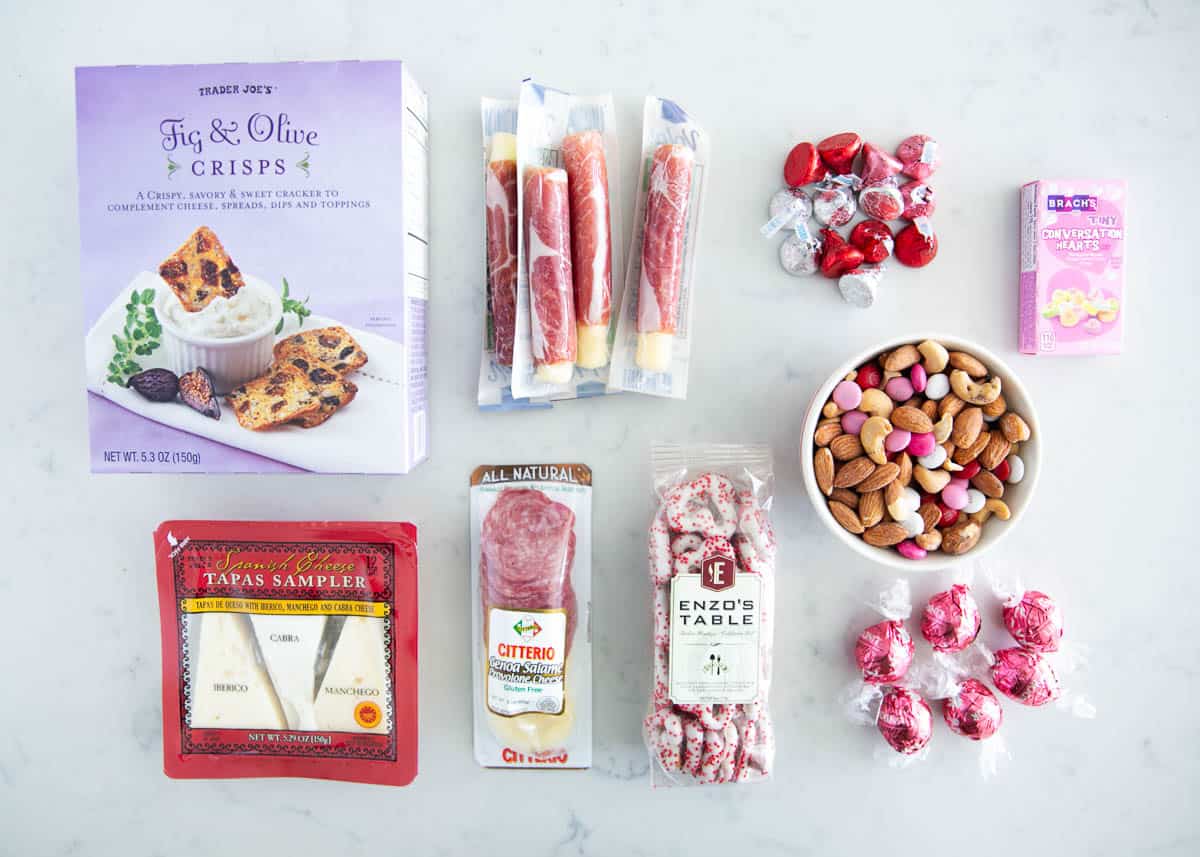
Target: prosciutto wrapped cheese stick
{"x":662,"y":255}
{"x":500,"y":197}
{"x":591,"y":244}
{"x":552,"y":299}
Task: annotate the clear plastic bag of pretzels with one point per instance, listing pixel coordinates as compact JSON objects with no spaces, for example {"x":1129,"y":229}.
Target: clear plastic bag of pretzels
{"x":712,"y":572}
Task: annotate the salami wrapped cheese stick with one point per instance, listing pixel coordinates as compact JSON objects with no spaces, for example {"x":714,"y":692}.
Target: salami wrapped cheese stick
{"x":500,"y":196}
{"x":548,"y":251}
{"x":662,"y":255}
{"x":591,"y":243}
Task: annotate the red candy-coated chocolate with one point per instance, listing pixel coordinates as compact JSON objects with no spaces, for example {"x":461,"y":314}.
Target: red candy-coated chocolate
{"x":869,"y":375}
{"x":874,"y":238}
{"x":881,"y":201}
{"x":973,"y":711}
{"x":904,"y":721}
{"x":951,"y":621}
{"x":1002,"y":471}
{"x":911,"y":153}
{"x":1025,"y":676}
{"x":949,"y":516}
{"x":914,"y":247}
{"x":1035,"y":621}
{"x":838,"y":257}
{"x":839,"y":151}
{"x":877,"y":164}
{"x":970,"y":469}
{"x":919,"y":200}
{"x":883,"y":652}
{"x":802,"y":166}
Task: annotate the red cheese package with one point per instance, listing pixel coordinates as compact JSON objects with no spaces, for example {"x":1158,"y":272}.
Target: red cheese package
{"x":289,"y":649}
{"x":531,"y":550}
{"x":712,"y":568}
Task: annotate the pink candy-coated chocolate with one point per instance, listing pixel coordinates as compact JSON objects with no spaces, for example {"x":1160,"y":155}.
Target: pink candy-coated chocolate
{"x":852,"y":421}
{"x":878,"y":164}
{"x":951,"y":620}
{"x":919,"y":200}
{"x":896,"y":440}
{"x":954,"y":494}
{"x":918,"y":377}
{"x":883,"y":652}
{"x":973,"y":711}
{"x":922,"y":444}
{"x":911,"y":550}
{"x":1035,"y":621}
{"x":912,"y":154}
{"x":1025,"y":676}
{"x":899,"y":389}
{"x":905,"y":721}
{"x":847,"y":395}
{"x":881,"y":201}
{"x":834,"y":206}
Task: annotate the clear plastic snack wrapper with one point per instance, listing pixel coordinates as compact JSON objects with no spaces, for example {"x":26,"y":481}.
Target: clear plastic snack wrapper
{"x":567,"y":170}
{"x":652,"y":349}
{"x":969,"y":707}
{"x":531,"y":570}
{"x":712,"y":569}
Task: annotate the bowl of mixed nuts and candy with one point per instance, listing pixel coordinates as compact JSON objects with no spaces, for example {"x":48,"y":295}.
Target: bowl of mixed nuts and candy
{"x":921,"y":452}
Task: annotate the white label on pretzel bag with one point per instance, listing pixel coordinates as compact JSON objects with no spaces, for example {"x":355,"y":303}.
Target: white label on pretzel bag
{"x":526,"y":661}
{"x":714,"y":654}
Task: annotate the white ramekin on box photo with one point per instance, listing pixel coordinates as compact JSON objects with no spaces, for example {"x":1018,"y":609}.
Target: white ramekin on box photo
{"x":194,"y":340}
{"x":1016,"y":497}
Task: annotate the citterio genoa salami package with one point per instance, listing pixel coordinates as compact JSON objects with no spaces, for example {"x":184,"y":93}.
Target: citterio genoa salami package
{"x":289,"y":649}
{"x":712,"y":571}
{"x":652,"y":348}
{"x":531,"y":581}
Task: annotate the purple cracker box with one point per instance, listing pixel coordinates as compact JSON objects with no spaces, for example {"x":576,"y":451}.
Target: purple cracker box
{"x":255,"y":262}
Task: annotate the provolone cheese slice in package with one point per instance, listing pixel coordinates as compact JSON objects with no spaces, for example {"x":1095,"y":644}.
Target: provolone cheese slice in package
{"x":289,"y":649}
{"x":531,"y":570}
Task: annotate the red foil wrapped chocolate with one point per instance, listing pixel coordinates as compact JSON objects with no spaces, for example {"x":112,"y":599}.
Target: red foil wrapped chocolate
{"x":1035,"y":621}
{"x":973,"y":711}
{"x":878,"y":165}
{"x":905,"y":721}
{"x":1025,"y":676}
{"x":883,"y":652}
{"x":882,"y":201}
{"x":951,"y":620}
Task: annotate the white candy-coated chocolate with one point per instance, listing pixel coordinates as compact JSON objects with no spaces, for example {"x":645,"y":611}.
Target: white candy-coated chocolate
{"x":975,"y":501}
{"x":937,"y":386}
{"x":913,"y":525}
{"x":935,"y":459}
{"x":1016,"y":469}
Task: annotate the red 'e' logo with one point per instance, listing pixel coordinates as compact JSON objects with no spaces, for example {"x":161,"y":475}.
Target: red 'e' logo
{"x":717,"y":573}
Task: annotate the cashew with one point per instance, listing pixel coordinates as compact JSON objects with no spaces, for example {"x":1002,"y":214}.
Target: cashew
{"x":992,"y":506}
{"x":929,"y":541}
{"x":935,"y":354}
{"x":831,"y":410}
{"x":851,"y":376}
{"x":932,"y":481}
{"x":942,"y":428}
{"x":872,"y":435}
{"x":974,"y":392}
{"x":889,"y":375}
{"x":876,"y":403}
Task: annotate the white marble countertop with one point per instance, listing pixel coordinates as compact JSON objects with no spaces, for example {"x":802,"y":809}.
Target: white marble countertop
{"x":1017,"y":92}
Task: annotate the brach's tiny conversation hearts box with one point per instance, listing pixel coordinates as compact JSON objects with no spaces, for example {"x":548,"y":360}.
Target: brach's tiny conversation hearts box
{"x":1072,"y":266}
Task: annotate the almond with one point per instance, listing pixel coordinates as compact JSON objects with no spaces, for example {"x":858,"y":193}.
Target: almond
{"x":853,"y":472}
{"x":823,"y":470}
{"x":892,"y":492}
{"x":987,"y":482}
{"x":964,"y":361}
{"x":883,"y":475}
{"x":912,"y":420}
{"x":960,"y":538}
{"x":906,"y":469}
{"x":902,"y":358}
{"x":950,"y":404}
{"x":870,"y":508}
{"x":885,"y":535}
{"x":1014,"y":428}
{"x":995,"y":408}
{"x":995,"y":452}
{"x":931,"y":515}
{"x":844,"y":495}
{"x":826,"y":431}
{"x":845,"y":516}
{"x":930,"y":407}
{"x":845,"y":447}
{"x":966,"y":454}
{"x":967,"y":426}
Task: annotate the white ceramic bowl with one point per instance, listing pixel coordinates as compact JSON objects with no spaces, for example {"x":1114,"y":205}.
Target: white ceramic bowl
{"x":230,"y":361}
{"x":1017,"y":496}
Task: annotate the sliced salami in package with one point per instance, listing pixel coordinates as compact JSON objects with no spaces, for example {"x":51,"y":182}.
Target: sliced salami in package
{"x":531,"y":567}
{"x":289,"y":649}
{"x":567,"y":176}
{"x":652,"y":348}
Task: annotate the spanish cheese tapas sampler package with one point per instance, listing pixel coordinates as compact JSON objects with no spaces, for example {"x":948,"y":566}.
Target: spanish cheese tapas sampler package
{"x":289,"y":649}
{"x":255,"y":262}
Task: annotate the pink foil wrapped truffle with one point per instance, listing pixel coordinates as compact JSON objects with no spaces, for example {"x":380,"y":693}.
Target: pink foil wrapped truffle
{"x":973,"y":711}
{"x":919,"y":155}
{"x":951,"y":620}
{"x":905,"y":721}
{"x":883,"y":652}
{"x":1025,"y":676}
{"x":1035,"y":621}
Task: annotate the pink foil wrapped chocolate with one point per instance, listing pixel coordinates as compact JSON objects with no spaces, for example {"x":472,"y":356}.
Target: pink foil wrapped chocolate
{"x":919,"y":200}
{"x":905,"y":721}
{"x":973,"y":711}
{"x":884,"y":652}
{"x":919,"y":155}
{"x":877,"y":164}
{"x":1025,"y":676}
{"x":1035,"y":621}
{"x":882,"y":201}
{"x":951,"y":620}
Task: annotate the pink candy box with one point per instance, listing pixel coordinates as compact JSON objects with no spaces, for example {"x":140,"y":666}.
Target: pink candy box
{"x":1072,"y":266}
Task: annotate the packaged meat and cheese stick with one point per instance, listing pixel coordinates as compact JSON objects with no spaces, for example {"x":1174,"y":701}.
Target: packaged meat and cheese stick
{"x":712,"y":572}
{"x":566,"y":161}
{"x":289,"y":649}
{"x":500,"y":238}
{"x":531,"y":565}
{"x":652,"y":349}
